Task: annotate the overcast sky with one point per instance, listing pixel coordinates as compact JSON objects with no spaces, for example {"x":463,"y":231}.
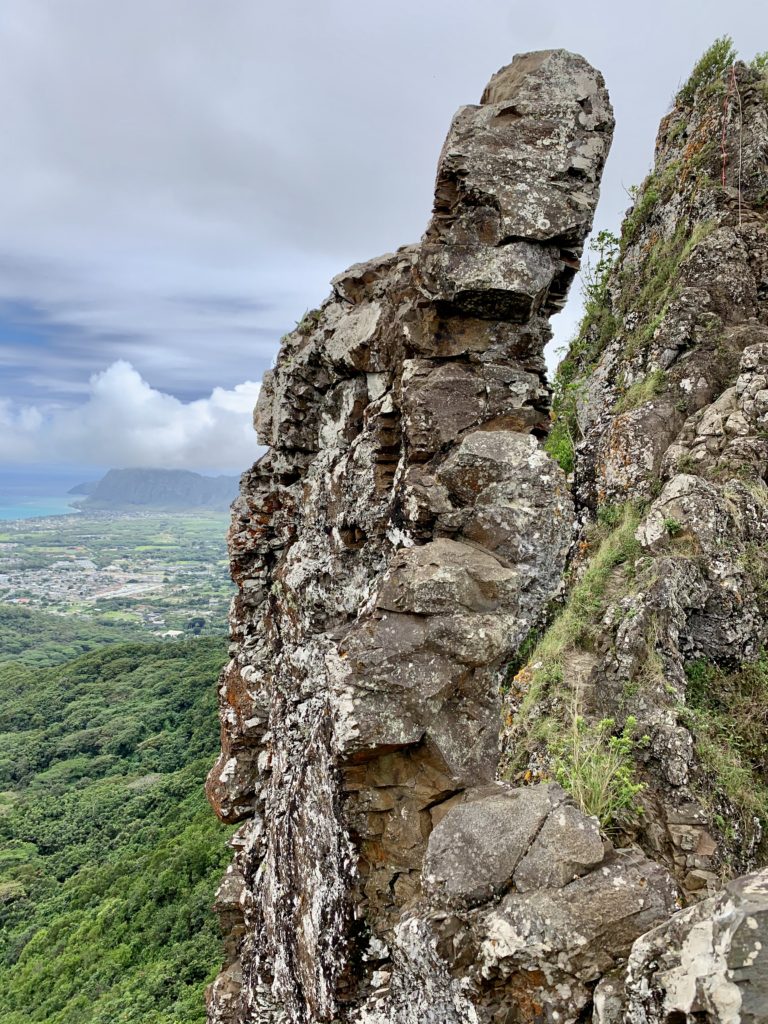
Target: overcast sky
{"x":179,"y":179}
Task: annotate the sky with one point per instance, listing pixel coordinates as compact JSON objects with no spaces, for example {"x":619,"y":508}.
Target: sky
{"x":180,"y":179}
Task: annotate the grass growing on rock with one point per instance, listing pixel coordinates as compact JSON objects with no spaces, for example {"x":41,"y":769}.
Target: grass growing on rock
{"x":658,"y":284}
{"x":559,"y":444}
{"x":727,"y":713}
{"x":641,"y":391}
{"x":595,"y":763}
{"x":709,"y":71}
{"x":596,"y":330}
{"x":575,"y":626}
{"x":580,"y":751}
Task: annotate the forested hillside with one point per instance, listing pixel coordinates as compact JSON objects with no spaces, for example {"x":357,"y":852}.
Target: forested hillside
{"x":38,"y":638}
{"x":109,"y":856}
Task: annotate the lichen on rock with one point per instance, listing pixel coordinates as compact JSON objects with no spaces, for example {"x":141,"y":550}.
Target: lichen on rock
{"x":392,"y":549}
{"x":663,"y":394}
{"x":406,"y":540}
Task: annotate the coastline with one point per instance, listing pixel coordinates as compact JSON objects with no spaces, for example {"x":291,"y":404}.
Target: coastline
{"x":36,"y":508}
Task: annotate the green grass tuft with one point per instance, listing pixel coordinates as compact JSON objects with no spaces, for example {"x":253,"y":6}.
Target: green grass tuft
{"x":595,"y":763}
{"x":641,"y":391}
{"x":709,"y":71}
{"x":727,"y":713}
{"x":575,"y":627}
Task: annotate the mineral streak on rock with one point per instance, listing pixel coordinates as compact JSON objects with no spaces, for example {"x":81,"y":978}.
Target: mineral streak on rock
{"x":392,"y":549}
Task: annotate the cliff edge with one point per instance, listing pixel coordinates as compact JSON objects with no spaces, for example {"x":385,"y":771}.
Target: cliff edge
{"x":418,"y":579}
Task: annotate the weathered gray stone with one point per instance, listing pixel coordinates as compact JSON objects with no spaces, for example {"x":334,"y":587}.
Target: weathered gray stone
{"x":568,"y":845}
{"x":708,"y":963}
{"x":381,"y":590}
{"x":474,"y":850}
{"x":509,"y":283}
{"x":446,"y":576}
{"x":576,"y":934}
{"x":506,"y":174}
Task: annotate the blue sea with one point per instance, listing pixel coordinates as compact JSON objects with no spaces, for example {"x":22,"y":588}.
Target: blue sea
{"x":30,"y":494}
{"x":34,"y":508}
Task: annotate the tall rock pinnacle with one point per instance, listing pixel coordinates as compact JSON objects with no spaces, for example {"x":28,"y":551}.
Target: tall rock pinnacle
{"x":392,"y":549}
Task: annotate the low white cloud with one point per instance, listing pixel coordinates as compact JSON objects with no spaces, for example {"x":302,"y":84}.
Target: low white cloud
{"x":126,"y":422}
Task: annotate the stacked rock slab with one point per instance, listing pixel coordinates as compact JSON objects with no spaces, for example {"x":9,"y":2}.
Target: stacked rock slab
{"x":392,"y":549}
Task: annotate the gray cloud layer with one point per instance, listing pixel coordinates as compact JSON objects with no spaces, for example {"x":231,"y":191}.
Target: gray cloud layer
{"x":180,"y":178}
{"x":124,"y":422}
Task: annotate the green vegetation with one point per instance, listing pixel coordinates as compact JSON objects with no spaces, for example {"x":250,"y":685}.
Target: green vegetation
{"x":559,"y":443}
{"x":660,"y":185}
{"x":754,"y":560}
{"x":646,"y":200}
{"x":596,"y":765}
{"x":673,"y":526}
{"x":642,"y":295}
{"x":109,"y":854}
{"x":593,"y":761}
{"x":309,"y":321}
{"x":709,"y":71}
{"x":37,"y":638}
{"x":657,"y":285}
{"x":727,"y":712}
{"x":597,"y":329}
{"x":574,"y":628}
{"x":641,"y":391}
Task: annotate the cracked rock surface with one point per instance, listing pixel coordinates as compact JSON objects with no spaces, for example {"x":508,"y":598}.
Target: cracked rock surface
{"x":397,"y":860}
{"x":392,"y":549}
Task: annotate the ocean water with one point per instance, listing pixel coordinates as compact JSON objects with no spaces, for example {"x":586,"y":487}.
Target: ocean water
{"x":35,"y":507}
{"x":32,"y":493}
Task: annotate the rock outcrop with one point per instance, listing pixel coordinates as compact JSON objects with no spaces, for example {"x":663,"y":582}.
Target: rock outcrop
{"x":663,"y":392}
{"x":407,"y":538}
{"x":709,"y":963}
{"x":393,"y":548}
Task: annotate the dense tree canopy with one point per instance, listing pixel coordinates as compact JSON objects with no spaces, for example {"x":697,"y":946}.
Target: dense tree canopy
{"x":109,"y":854}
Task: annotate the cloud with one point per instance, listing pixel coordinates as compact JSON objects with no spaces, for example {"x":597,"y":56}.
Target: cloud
{"x":180,"y":180}
{"x":126,"y":422}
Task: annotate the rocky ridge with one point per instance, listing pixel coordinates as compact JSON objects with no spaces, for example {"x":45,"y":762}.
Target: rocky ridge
{"x":405,"y":537}
{"x":164,"y":489}
{"x":660,"y":393}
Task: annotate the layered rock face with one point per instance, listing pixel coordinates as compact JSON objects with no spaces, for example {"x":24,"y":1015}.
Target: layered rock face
{"x":392,"y":549}
{"x":407,"y":535}
{"x":665,"y":391}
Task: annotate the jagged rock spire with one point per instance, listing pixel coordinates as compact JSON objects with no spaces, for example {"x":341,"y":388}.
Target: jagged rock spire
{"x":392,"y":549}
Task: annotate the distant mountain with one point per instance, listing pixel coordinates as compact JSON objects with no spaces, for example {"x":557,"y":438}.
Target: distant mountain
{"x":85,"y":488}
{"x":164,"y":489}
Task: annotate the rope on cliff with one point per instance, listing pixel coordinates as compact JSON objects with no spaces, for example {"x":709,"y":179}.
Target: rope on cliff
{"x":741,"y":132}
{"x":733,"y":89}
